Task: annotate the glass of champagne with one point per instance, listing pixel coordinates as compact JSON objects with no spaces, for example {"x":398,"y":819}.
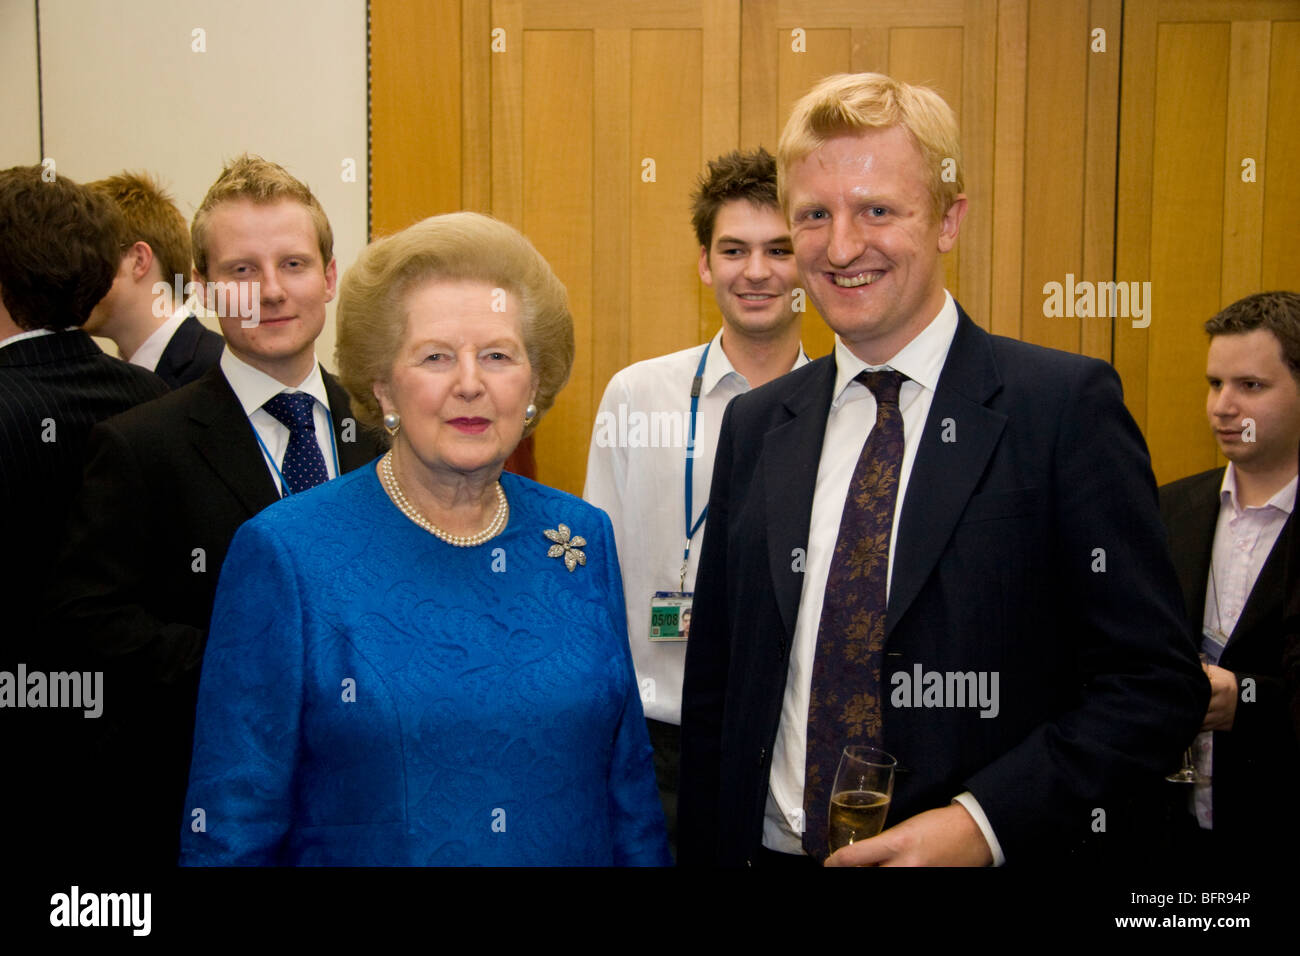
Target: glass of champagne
{"x":864,"y":784}
{"x":1187,"y":772}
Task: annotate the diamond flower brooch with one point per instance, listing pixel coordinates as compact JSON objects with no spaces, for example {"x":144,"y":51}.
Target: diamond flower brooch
{"x":566,"y":546}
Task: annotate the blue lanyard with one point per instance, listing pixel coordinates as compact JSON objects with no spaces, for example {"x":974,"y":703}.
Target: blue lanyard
{"x":284,"y":485}
{"x":691,"y":529}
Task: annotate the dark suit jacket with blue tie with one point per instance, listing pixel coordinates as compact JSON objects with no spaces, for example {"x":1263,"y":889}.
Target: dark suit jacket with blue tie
{"x":167,"y":485}
{"x":1257,"y":763}
{"x":997,"y":569}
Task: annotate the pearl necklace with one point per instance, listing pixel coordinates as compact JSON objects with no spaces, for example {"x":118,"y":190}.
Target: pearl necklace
{"x":459,"y":540}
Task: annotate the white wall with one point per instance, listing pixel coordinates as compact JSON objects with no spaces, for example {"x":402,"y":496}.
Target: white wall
{"x":125,"y":88}
{"x":20,"y":129}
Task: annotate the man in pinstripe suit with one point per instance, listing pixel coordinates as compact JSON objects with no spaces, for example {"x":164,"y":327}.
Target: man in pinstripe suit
{"x":59,"y":250}
{"x":58,"y":255}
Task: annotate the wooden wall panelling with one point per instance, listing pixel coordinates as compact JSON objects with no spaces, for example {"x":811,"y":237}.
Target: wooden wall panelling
{"x":666,"y":113}
{"x":614,"y":174}
{"x":719,"y":118}
{"x":974,"y":252}
{"x":558,"y":216}
{"x":507,"y":113}
{"x":1136,"y":175}
{"x":760,"y":111}
{"x":1247,"y":127}
{"x":1101,"y":139}
{"x":476,"y":105}
{"x":1055,"y":129}
{"x":1186,"y":239}
{"x":1007,"y":198}
{"x":1280,"y":255}
{"x":1203,"y":88}
{"x":415,"y":118}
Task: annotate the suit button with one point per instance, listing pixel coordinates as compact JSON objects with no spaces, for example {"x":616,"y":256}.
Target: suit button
{"x":761,"y":754}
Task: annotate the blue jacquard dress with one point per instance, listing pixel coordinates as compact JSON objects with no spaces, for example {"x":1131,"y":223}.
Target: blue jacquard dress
{"x":373,"y":696}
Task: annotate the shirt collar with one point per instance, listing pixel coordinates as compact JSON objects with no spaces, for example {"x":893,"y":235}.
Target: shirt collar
{"x":1283,"y":501}
{"x":254,"y":388}
{"x":151,"y":349}
{"x":718,"y":366}
{"x":36,"y":334}
{"x":921,"y":359}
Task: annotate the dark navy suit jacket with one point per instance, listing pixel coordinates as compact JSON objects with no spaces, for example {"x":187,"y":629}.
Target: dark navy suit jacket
{"x":997,"y":568}
{"x":1257,"y":763}
{"x":192,"y":350}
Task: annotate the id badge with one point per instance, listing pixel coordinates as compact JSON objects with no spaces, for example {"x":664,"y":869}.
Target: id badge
{"x":670,"y":615}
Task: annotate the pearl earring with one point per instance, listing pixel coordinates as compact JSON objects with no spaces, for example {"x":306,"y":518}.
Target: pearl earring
{"x":392,"y":422}
{"x":530,"y":414}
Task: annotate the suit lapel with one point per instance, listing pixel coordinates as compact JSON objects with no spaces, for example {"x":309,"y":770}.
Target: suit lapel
{"x":945,"y":474}
{"x":791,"y":452}
{"x":1192,"y":523}
{"x":224,"y":438}
{"x":1266,"y":596}
{"x":180,"y":350}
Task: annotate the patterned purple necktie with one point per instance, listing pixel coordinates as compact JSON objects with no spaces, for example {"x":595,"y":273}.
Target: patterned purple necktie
{"x":844,"y":702}
{"x":303,"y":466}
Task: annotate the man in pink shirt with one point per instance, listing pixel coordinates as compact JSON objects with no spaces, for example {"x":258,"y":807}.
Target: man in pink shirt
{"x":1225,"y":528}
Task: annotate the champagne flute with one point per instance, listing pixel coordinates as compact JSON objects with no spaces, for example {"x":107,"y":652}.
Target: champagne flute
{"x":860,"y":795}
{"x":1187,"y":772}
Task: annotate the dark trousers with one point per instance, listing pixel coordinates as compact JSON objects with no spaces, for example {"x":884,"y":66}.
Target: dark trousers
{"x":667,"y":742}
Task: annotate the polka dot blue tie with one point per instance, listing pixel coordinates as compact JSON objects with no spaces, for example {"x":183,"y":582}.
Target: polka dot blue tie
{"x":304,"y":465}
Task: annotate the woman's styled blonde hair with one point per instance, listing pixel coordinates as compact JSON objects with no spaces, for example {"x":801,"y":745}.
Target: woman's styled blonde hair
{"x":372,"y":311}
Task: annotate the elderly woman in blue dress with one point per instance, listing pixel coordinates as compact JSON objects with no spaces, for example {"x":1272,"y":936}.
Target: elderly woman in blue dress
{"x":425,"y":661}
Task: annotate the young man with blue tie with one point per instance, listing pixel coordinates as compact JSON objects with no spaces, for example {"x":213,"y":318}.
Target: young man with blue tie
{"x":168,"y":485}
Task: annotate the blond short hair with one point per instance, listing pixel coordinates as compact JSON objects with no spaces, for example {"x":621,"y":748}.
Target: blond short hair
{"x":849,"y":104}
{"x":259,"y":181}
{"x":372,"y":312}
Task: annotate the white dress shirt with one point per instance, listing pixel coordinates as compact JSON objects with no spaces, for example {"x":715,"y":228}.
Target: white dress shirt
{"x":636,"y":472}
{"x":152,"y":348}
{"x":254,"y":388}
{"x":32,"y":334}
{"x":1243,"y":540}
{"x":848,"y":425}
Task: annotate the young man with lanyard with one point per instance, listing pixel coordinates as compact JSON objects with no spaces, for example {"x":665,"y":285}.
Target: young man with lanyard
{"x":1227,"y":530}
{"x":651,"y":454}
{"x":168,"y":485}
